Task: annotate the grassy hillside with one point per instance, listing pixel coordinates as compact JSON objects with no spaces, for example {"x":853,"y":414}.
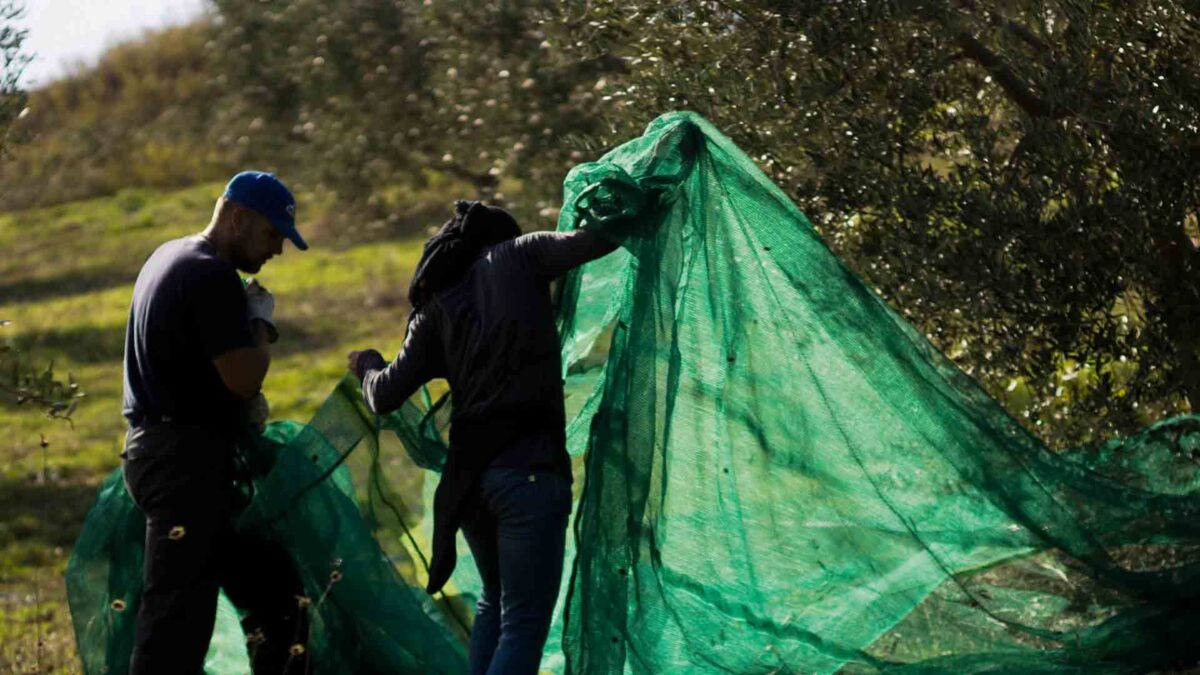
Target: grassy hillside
{"x":66,"y":278}
{"x":146,"y":114}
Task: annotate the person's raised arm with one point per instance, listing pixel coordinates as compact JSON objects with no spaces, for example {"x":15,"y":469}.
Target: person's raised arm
{"x":553,"y":254}
{"x":385,"y":387}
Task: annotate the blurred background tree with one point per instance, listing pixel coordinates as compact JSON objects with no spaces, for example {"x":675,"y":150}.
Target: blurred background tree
{"x":1017,"y":177}
{"x":12,"y":64}
{"x":385,"y":92}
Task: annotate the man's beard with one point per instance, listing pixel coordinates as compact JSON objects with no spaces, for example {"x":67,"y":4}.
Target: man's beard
{"x":245,"y":264}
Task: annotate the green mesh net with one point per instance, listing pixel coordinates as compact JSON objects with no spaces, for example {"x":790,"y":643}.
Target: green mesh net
{"x":778,"y":475}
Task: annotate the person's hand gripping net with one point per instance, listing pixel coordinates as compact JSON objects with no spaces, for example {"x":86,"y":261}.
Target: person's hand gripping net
{"x":358,"y":361}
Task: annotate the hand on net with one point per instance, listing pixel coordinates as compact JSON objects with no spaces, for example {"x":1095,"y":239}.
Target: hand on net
{"x":359,"y":360}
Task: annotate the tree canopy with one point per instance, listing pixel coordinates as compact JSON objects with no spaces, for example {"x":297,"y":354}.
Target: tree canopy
{"x":1019,"y":177}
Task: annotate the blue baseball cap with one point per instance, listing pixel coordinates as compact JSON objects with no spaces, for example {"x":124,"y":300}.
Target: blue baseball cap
{"x":265,"y":193}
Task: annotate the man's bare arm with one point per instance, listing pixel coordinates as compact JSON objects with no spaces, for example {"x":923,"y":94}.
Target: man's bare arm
{"x":243,"y":370}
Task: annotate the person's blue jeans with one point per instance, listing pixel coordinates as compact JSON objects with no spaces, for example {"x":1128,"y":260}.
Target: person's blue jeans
{"x":516,"y":532}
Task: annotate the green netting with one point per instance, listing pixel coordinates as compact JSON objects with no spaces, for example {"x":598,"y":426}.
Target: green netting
{"x":778,"y":475}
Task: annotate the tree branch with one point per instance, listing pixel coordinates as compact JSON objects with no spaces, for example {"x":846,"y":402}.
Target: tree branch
{"x":1016,"y":88}
{"x":1022,"y":31}
{"x":1178,"y":295}
{"x":1008,"y":79}
{"x":481,"y":181}
{"x":21,"y":383}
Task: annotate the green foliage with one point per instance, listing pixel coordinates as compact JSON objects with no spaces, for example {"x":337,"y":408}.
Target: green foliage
{"x":24,"y":383}
{"x":1017,"y":176}
{"x":12,"y":63}
{"x":475,"y":89}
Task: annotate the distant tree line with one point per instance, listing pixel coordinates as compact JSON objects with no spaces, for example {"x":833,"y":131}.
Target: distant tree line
{"x":1017,"y":177}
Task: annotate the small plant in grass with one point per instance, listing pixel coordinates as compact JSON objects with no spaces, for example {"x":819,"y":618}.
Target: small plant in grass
{"x":25,"y":383}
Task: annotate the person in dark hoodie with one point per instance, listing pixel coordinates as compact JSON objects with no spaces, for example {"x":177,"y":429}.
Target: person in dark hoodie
{"x":482,"y":319}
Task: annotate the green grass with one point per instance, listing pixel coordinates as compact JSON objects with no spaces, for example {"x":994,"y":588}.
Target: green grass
{"x":65,"y":282}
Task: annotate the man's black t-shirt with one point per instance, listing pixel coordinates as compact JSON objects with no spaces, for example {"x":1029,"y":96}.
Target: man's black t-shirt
{"x":188,"y":307}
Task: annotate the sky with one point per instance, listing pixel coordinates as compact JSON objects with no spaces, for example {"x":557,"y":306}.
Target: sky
{"x":63,"y":32}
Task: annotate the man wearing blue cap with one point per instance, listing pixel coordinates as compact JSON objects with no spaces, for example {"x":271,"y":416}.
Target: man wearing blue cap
{"x":197,"y":348}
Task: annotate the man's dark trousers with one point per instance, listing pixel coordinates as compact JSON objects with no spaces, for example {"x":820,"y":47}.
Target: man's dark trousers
{"x":180,"y":476}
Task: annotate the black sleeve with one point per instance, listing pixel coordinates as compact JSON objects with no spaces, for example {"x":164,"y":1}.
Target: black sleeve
{"x":553,"y":254}
{"x":386,"y":387}
{"x":217,"y":305}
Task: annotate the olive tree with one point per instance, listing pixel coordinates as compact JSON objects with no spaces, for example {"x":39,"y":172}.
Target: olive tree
{"x":1018,"y":177}
{"x":371,"y":93}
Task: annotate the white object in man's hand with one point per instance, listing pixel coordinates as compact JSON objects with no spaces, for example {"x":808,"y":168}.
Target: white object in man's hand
{"x":260,"y":304}
{"x":257,"y":411}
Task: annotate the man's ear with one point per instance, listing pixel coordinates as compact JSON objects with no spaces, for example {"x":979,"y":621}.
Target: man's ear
{"x":238,"y":221}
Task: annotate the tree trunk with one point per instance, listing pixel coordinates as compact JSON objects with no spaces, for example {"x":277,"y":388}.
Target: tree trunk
{"x":1187,"y":364}
{"x":1179,"y":295}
